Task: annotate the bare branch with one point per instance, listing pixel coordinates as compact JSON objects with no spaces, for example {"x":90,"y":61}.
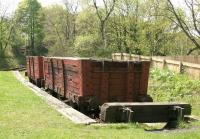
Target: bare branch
{"x":56,"y":30}
{"x":192,"y":50}
{"x":194,"y":17}
{"x":97,"y":10}
{"x":110,"y":11}
{"x":183,"y":25}
{"x":106,"y":6}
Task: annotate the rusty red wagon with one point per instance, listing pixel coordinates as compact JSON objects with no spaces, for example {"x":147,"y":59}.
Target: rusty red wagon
{"x":88,"y":83}
{"x":35,"y":70}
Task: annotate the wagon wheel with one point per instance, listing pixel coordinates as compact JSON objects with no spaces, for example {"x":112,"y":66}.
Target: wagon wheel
{"x":29,"y":79}
{"x":73,"y":105}
{"x":38,"y":83}
{"x":58,"y":96}
{"x":83,"y":109}
{"x":146,"y":98}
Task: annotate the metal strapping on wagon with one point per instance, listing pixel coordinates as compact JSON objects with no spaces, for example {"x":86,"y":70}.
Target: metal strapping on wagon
{"x":67,"y":111}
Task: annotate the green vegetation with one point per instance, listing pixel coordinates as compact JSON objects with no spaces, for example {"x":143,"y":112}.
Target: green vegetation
{"x":89,"y":29}
{"x":85,"y":28}
{"x":25,"y":115}
{"x":11,"y":60}
{"x":30,"y":21}
{"x":169,"y":87}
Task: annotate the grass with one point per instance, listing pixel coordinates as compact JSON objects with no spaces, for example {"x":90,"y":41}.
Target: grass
{"x":25,"y":115}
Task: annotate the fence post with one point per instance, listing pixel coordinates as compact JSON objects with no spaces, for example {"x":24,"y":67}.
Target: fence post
{"x":113,"y":56}
{"x":139,"y":58}
{"x":120,"y":56}
{"x":129,"y":56}
{"x":164,"y":64}
{"x":181,"y":67}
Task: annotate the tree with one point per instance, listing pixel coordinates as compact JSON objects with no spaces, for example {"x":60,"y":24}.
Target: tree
{"x":87,"y":39}
{"x":103,"y":16}
{"x":72,"y":9}
{"x":59,"y":30}
{"x":6,"y":29}
{"x":30,"y":19}
{"x":158,"y":31}
{"x":125,"y":25}
{"x":188,"y":22}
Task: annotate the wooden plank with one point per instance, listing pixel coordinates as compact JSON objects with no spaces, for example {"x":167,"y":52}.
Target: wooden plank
{"x":142,"y":112}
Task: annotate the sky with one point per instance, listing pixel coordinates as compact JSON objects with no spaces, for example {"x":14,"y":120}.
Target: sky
{"x":11,"y":5}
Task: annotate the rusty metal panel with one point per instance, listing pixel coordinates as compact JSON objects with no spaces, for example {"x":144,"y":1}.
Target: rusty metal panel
{"x":114,"y":81}
{"x":107,"y":81}
{"x":144,"y":77}
{"x":35,"y":69}
{"x":28,"y":66}
{"x":72,"y":78}
{"x":63,"y":76}
{"x":57,"y":75}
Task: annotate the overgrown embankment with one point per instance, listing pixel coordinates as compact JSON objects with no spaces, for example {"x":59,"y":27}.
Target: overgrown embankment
{"x":169,"y":87}
{"x":11,"y":60}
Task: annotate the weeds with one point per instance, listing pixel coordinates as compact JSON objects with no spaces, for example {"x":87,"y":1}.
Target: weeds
{"x":166,"y":86}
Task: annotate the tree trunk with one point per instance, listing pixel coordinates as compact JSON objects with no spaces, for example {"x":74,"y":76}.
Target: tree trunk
{"x":103,"y":34}
{"x":192,"y":50}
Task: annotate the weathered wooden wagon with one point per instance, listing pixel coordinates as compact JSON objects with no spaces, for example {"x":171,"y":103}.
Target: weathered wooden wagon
{"x":35,"y":70}
{"x":108,"y":87}
{"x":88,"y":83}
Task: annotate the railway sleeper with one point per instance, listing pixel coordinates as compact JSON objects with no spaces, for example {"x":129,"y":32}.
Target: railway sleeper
{"x":171,"y":113}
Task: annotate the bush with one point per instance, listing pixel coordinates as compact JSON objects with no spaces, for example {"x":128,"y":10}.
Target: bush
{"x":87,"y":45}
{"x":167,"y":86}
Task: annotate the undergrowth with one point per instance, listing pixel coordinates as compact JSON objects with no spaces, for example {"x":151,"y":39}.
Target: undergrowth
{"x":11,"y":60}
{"x":166,"y":86}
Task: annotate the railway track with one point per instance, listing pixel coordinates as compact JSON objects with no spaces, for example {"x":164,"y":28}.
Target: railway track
{"x":14,"y":69}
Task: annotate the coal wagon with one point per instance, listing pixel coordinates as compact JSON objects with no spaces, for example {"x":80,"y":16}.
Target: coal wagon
{"x":35,"y":70}
{"x":105,"y":87}
{"x":88,"y":83}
